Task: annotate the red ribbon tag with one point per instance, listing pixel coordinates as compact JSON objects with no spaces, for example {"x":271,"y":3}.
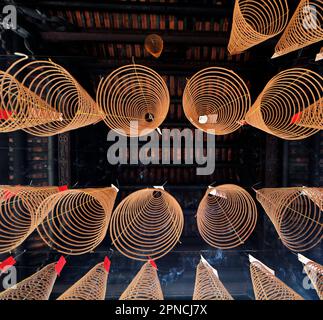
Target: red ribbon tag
{"x":153,"y":263}
{"x":8,"y":194}
{"x":107,"y":264}
{"x":4,"y":114}
{"x":60,"y":265}
{"x":296,"y":117}
{"x":63,"y":188}
{"x":6,"y":264}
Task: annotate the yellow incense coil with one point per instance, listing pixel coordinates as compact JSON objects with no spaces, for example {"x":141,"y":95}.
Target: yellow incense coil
{"x":134,"y":100}
{"x":208,"y":286}
{"x":255,"y":22}
{"x":36,"y":287}
{"x":226,"y":216}
{"x":20,"y":108}
{"x":147,"y":223}
{"x":283,"y":101}
{"x":145,"y":285}
{"x":304,"y":28}
{"x":296,"y":217}
{"x":91,"y":286}
{"x":315,"y":274}
{"x":316,"y":195}
{"x":18,"y":217}
{"x":312,"y":116}
{"x":75,"y":221}
{"x":45,"y":99}
{"x":268,"y":287}
{"x":216,"y":100}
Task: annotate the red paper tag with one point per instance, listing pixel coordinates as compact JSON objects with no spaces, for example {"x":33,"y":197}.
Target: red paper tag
{"x":153,"y":263}
{"x":8,"y":263}
{"x":296,"y":117}
{"x":63,"y":188}
{"x":107,"y":264}
{"x":60,"y":265}
{"x":8,"y":194}
{"x":4,"y":114}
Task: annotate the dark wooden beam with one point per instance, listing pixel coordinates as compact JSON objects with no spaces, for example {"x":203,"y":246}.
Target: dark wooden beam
{"x":181,"y":68}
{"x":188,"y":38}
{"x":181,"y":9}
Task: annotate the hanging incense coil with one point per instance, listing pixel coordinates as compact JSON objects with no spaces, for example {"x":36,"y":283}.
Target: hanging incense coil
{"x":18,"y":217}
{"x":90,"y":287}
{"x":282,"y":102}
{"x":312,"y":116}
{"x":216,"y":100}
{"x":226,"y":216}
{"x":52,"y":100}
{"x":154,"y":44}
{"x":36,"y":287}
{"x":134,"y":100}
{"x":304,"y":28}
{"x":20,"y":108}
{"x":315,"y":274}
{"x":207,"y":284}
{"x":75,"y":221}
{"x":316,"y":195}
{"x":268,"y":287}
{"x":145,"y":285}
{"x":147,"y":223}
{"x":297,"y":219}
{"x":255,"y":22}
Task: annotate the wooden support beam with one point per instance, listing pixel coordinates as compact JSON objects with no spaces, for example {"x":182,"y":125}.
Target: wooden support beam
{"x":188,"y":38}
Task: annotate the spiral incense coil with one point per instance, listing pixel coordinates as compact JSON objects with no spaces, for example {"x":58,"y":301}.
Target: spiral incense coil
{"x":63,"y":103}
{"x":216,"y":100}
{"x":315,"y":274}
{"x":20,"y":108}
{"x":37,"y":287}
{"x":316,"y":195}
{"x":134,"y":100}
{"x":75,"y":221}
{"x":284,"y":99}
{"x":297,"y":219}
{"x":255,"y":22}
{"x":90,"y":287}
{"x":145,"y":285}
{"x":268,"y":287}
{"x":226,"y":216}
{"x":146,"y":224}
{"x":207,"y":284}
{"x":312,"y":116}
{"x":304,"y":28}
{"x":18,"y":218}
{"x":154,"y":44}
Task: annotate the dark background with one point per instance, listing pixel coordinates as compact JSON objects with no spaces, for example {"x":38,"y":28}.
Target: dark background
{"x":92,"y":38}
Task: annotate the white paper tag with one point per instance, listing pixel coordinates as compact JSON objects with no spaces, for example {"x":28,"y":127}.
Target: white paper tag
{"x":303,"y":259}
{"x":113,"y":186}
{"x":252,"y":259}
{"x":159,"y":187}
{"x":217,"y":193}
{"x":210,"y":118}
{"x":203,"y":119}
{"x":203,"y":260}
{"x":319,"y":56}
